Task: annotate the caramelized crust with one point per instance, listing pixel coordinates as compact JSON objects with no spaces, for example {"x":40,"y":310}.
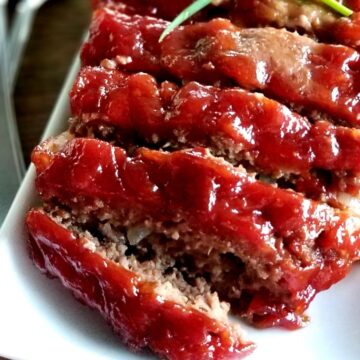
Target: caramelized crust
{"x":293,"y":246}
{"x":132,"y":40}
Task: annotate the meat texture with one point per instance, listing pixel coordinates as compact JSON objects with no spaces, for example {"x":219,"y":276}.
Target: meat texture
{"x":131,"y":304}
{"x":245,"y":195}
{"x":132,"y":40}
{"x":233,"y":123}
{"x":312,"y":17}
{"x":290,"y":247}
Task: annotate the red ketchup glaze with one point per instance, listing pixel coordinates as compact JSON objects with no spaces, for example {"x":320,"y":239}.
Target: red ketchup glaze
{"x":319,"y":20}
{"x":131,"y":305}
{"x":273,"y":226}
{"x":281,"y":64}
{"x":347,"y":31}
{"x":128,"y":40}
{"x":263,"y":10}
{"x":275,"y":139}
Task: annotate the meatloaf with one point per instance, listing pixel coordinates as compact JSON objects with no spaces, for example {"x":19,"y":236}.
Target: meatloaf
{"x":266,"y":250}
{"x":215,"y":171}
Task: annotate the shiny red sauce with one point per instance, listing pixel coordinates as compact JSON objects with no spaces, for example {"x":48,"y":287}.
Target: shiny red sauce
{"x":228,"y":121}
{"x":347,"y":31}
{"x":132,"y":307}
{"x":309,"y":244}
{"x":281,"y":64}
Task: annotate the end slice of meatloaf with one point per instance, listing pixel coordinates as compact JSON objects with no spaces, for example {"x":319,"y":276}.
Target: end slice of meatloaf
{"x":148,"y":306}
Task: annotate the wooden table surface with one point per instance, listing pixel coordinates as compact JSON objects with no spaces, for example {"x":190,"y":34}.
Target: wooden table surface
{"x":56,"y":37}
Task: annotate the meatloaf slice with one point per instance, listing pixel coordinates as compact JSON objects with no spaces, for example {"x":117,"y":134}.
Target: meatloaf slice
{"x":311,"y":17}
{"x":266,"y":250}
{"x":320,"y":159}
{"x":144,"y":298}
{"x":310,"y":77}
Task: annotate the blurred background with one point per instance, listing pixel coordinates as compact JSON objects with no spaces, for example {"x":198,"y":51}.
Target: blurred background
{"x":55,"y":39}
{"x":40,"y":68}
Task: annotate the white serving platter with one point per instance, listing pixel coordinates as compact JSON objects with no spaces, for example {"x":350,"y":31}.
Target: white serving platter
{"x":39,"y":320}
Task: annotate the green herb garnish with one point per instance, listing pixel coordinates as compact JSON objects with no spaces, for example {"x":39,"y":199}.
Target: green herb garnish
{"x":338,"y":7}
{"x":198,"y":5}
{"x":187,"y":13}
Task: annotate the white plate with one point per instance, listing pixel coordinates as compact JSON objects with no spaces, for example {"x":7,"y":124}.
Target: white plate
{"x":40,"y":320}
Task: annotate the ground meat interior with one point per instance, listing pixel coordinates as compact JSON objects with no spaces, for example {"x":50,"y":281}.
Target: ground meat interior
{"x":332,"y":187}
{"x":155,"y":258}
{"x":192,"y":268}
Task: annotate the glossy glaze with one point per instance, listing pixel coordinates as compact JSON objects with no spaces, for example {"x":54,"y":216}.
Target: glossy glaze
{"x":229,"y":121}
{"x":133,"y":41}
{"x":275,"y":138}
{"x":291,"y":68}
{"x":132,"y":307}
{"x":308,"y":245}
{"x":313,"y":18}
